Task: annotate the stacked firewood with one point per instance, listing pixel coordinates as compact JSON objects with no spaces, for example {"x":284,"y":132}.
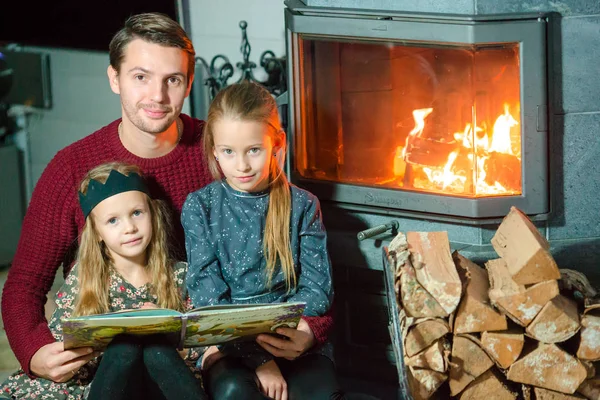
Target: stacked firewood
{"x":519,"y":328}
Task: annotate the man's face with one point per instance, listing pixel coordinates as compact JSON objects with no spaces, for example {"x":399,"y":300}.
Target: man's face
{"x":153,"y":83}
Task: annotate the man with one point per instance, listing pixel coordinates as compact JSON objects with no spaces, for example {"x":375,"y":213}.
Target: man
{"x":151,"y":69}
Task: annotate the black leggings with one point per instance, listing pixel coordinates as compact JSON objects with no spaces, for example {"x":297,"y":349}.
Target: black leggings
{"x":136,"y":367}
{"x":309,"y":377}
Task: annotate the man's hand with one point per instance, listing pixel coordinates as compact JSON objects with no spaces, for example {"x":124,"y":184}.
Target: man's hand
{"x":54,"y":363}
{"x":211,"y":356}
{"x":271,"y":381}
{"x":297,"y":341}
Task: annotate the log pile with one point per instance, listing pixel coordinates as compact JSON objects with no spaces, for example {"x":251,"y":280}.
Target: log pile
{"x":517,"y":328}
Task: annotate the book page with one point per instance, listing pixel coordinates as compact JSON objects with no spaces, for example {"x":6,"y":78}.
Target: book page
{"x":97,"y":331}
{"x":220,"y":324}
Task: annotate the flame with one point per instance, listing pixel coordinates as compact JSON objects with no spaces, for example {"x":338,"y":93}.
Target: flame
{"x":419,"y":115}
{"x":481,"y":162}
{"x":501,"y":137}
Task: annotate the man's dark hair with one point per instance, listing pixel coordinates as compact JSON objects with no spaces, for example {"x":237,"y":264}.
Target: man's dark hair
{"x":154,"y":28}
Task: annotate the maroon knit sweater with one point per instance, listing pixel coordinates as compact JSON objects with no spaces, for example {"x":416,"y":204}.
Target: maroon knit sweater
{"x":53,"y":222}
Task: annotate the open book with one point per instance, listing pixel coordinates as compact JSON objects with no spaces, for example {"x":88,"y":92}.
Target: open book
{"x":200,"y":327}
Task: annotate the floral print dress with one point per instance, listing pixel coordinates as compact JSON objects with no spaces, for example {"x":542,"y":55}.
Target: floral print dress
{"x":122,"y":295}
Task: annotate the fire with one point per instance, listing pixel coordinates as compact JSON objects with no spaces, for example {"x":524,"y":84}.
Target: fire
{"x":474,"y":162}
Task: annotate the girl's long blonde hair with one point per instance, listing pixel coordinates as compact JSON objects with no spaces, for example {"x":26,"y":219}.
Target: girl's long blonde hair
{"x":94,"y":261}
{"x":248,"y":101}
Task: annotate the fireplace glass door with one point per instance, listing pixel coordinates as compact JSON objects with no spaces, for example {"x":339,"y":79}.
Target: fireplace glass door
{"x":427,"y":118}
{"x":432,"y":116}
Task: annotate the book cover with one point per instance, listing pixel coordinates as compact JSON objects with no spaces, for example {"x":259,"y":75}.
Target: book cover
{"x":202,"y":326}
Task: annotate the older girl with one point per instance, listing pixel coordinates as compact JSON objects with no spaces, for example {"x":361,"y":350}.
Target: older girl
{"x":252,"y":237}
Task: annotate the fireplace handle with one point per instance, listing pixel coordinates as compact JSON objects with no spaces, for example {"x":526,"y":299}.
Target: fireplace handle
{"x":369,"y":233}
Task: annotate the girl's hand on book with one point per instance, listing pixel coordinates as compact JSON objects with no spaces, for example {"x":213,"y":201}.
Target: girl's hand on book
{"x":54,"y":363}
{"x":271,"y":381}
{"x":294,"y":343}
{"x":211,"y":356}
{"x":148,"y":305}
{"x":184,"y":353}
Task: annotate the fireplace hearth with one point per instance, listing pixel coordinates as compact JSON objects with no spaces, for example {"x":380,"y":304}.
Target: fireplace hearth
{"x":437,"y":116}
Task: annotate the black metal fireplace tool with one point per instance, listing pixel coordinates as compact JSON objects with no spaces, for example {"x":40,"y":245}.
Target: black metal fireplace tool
{"x":220,"y":69}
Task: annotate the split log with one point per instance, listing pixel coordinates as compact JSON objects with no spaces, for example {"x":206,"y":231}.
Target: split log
{"x":590,"y":388}
{"x":545,"y":394}
{"x":589,"y":367}
{"x":591,"y":304}
{"x":423,"y":382}
{"x":524,"y":249}
{"x":423,"y":334}
{"x":557,"y":322}
{"x":549,"y":367}
{"x":514,"y":300}
{"x":435,"y":270}
{"x":527,"y":392}
{"x":487,"y":386}
{"x":435,"y":357}
{"x":572,"y":280}
{"x":503,"y":347}
{"x":475,"y":314}
{"x":589,"y":346}
{"x":415,"y":299}
{"x":501,"y":282}
{"x":468,"y":362}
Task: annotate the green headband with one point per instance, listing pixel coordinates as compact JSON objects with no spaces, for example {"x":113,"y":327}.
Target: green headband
{"x":115,"y":184}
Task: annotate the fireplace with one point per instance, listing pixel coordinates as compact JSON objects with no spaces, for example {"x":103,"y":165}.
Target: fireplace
{"x":436,"y":116}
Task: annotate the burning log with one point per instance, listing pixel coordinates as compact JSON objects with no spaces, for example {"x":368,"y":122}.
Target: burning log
{"x":524,"y":249}
{"x":504,"y":169}
{"x":429,"y":152}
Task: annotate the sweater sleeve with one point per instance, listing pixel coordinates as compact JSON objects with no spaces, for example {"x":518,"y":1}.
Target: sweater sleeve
{"x":48,"y":230}
{"x":315,"y":284}
{"x":321,"y":326}
{"x":314,"y":280}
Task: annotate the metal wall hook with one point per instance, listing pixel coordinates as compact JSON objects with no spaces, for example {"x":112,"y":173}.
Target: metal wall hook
{"x":368,"y":233}
{"x":221,"y":69}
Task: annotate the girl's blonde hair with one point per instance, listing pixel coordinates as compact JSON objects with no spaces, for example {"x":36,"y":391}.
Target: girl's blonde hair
{"x":249,"y":101}
{"x":94,"y":261}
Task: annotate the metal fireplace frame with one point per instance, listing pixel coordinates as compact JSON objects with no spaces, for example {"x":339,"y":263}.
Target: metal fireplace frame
{"x":532,"y":33}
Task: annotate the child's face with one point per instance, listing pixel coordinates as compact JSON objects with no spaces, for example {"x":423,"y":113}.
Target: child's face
{"x":244,"y":150}
{"x":124,"y":224}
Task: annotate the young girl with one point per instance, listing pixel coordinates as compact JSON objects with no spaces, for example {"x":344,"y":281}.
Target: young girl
{"x":123,"y":263}
{"x":252,"y":237}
